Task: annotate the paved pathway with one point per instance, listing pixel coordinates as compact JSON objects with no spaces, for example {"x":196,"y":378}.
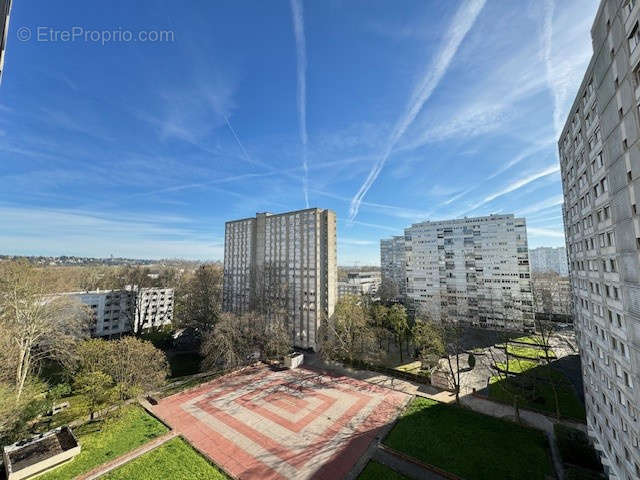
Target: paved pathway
{"x":127,"y":457}
{"x":405,"y":467}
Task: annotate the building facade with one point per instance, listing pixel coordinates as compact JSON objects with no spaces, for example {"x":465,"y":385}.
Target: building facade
{"x":473,"y":270}
{"x":393,"y":265}
{"x":360,"y":283}
{"x":290,"y":258}
{"x":549,"y":259}
{"x":116,"y":312}
{"x":600,"y":163}
{"x":552,"y":296}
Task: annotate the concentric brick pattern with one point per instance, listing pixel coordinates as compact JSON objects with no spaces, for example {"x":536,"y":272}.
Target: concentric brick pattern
{"x":300,"y":424}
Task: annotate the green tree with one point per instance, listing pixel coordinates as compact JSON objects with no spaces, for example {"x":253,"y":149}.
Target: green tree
{"x":397,"y":318}
{"x":134,"y":365}
{"x":97,"y":388}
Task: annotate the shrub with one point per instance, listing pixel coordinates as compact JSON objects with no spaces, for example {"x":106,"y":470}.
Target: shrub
{"x":472,"y":361}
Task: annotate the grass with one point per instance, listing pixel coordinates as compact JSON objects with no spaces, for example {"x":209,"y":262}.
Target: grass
{"x":469,"y":444}
{"x":529,"y":352}
{"x":535,"y":385}
{"x":377,"y":471}
{"x":105,"y":440}
{"x":411,"y":367}
{"x":518,"y":365}
{"x":182,"y":364}
{"x":174,"y":459}
{"x":529,"y":340}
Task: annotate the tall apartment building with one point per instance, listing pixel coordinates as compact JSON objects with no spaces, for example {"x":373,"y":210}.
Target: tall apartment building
{"x":474,"y":270}
{"x":124,"y":311}
{"x":393,"y":264}
{"x":5,"y":10}
{"x":295,"y":253}
{"x":600,"y":162}
{"x":548,"y":259}
{"x":552,"y":296}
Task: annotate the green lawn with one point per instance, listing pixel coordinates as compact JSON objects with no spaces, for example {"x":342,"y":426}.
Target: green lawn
{"x":104,"y":441}
{"x":377,"y":471}
{"x":530,"y":340}
{"x":538,"y":392}
{"x":469,"y":444}
{"x":529,"y":352}
{"x":518,"y":365}
{"x":174,"y":459}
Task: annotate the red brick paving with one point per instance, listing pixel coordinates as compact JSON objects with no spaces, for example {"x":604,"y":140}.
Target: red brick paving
{"x":261,"y":424}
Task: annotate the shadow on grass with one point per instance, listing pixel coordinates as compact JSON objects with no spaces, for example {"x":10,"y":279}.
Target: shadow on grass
{"x":535,"y":387}
{"x":468,"y":444}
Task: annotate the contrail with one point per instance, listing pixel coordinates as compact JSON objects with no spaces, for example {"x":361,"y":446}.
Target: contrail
{"x":462,"y":22}
{"x":301,"y":54}
{"x":556,"y":90}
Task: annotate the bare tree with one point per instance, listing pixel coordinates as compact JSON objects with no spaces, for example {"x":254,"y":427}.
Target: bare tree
{"x":40,"y":326}
{"x":347,"y":335}
{"x":508,"y":375}
{"x":240,"y":340}
{"x":198,"y":298}
{"x":545,"y":330}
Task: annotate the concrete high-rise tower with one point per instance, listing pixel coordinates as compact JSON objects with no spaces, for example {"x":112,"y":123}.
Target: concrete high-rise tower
{"x":291,"y":258}
{"x":600,"y":161}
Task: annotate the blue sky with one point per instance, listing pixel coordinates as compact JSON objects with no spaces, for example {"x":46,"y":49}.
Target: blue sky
{"x":387,"y":112}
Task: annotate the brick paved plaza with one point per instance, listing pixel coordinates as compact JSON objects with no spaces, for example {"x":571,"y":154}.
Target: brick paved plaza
{"x":263,"y":424}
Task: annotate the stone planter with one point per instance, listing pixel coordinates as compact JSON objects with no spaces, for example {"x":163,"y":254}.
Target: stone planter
{"x":40,"y":454}
{"x":293,"y":360}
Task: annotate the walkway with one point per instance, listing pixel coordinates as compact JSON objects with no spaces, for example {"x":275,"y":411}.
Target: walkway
{"x":127,"y":457}
{"x":408,"y":468}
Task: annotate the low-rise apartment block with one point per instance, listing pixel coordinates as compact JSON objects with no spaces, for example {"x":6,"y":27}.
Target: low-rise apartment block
{"x":116,"y":312}
{"x":288,"y":258}
{"x":360,"y":283}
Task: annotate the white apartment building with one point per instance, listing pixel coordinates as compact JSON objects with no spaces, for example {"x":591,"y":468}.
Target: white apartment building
{"x":600,"y":161}
{"x":360,"y":283}
{"x":549,"y":259}
{"x":124,"y":311}
{"x":552,"y":296}
{"x":393,"y":263}
{"x":474,"y":270}
{"x":291,"y":258}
